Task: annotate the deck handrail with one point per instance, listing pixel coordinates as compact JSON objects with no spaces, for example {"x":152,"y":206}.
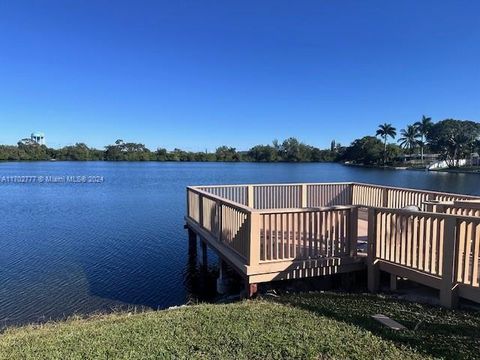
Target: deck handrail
{"x":340,"y":183}
{"x":216,"y":197}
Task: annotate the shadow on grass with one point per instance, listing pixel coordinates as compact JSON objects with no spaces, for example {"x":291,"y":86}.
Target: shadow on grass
{"x":430,"y":330}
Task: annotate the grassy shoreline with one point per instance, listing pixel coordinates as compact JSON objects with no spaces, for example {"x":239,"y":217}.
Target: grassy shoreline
{"x":306,"y":326}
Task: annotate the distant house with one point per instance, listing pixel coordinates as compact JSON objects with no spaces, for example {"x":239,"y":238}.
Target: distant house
{"x":475,"y":159}
{"x":416,"y":159}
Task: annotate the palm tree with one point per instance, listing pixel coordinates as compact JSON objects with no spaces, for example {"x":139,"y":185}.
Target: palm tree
{"x":423,"y":127}
{"x":385,"y":131}
{"x":410,"y":138}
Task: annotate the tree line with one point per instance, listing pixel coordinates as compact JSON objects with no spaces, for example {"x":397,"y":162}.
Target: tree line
{"x":290,"y":150}
{"x":450,"y":139}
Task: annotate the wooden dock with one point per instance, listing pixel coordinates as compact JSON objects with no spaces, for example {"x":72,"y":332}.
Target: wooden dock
{"x":290,"y":231}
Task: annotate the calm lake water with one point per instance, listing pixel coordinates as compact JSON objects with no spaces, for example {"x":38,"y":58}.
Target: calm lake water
{"x":82,"y":248}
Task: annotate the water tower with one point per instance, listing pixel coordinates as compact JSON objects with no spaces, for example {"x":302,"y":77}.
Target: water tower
{"x":38,"y":137}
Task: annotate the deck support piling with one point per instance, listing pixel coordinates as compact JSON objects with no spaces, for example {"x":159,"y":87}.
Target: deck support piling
{"x":192,"y":242}
{"x":204,"y":254}
{"x":223,"y":281}
{"x":251,"y":289}
{"x":192,"y":236}
{"x":393,"y":282}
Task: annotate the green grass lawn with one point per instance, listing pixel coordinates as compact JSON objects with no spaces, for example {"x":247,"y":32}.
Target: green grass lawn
{"x":306,"y":326}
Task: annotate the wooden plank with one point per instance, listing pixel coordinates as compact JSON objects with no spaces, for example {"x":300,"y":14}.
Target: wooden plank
{"x":300,"y":271}
{"x":409,"y":273}
{"x":476,"y":256}
{"x":433,"y":244}
{"x":468,"y":250}
{"x":421,"y":240}
{"x":373,"y":270}
{"x":461,"y":250}
{"x":415,"y":250}
{"x":281,"y":265}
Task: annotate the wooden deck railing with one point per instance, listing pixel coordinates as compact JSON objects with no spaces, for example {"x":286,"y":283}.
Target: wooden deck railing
{"x":307,"y":233}
{"x":463,"y":208}
{"x":285,"y":196}
{"x":258,"y":238}
{"x":435,"y":249}
{"x":235,"y":193}
{"x":468,"y":250}
{"x":224,"y":220}
{"x":411,"y":240}
{"x":397,"y":198}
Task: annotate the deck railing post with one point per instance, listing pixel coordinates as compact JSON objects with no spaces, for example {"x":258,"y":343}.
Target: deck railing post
{"x":188,"y":203}
{"x":385,"y":197}
{"x":351,"y":193}
{"x":250,"y":196}
{"x":303,"y":194}
{"x":430,"y":207}
{"x":200,"y":209}
{"x":353,"y":232}
{"x":448,"y":296}
{"x":373,"y":270}
{"x":254,"y":239}
{"x":219,"y":220}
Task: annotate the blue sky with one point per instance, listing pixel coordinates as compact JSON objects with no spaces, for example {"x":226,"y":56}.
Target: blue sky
{"x":199,"y":74}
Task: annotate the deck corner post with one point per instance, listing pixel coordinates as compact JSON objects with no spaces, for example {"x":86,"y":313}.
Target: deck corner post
{"x":353,"y":231}
{"x":303,"y":196}
{"x":373,"y":268}
{"x":254,"y":239}
{"x":448,"y":294}
{"x":200,"y":210}
{"x":188,"y":202}
{"x":250,"y":196}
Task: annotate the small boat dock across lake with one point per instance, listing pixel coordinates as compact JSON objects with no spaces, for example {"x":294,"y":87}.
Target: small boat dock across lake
{"x":270,"y":232}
